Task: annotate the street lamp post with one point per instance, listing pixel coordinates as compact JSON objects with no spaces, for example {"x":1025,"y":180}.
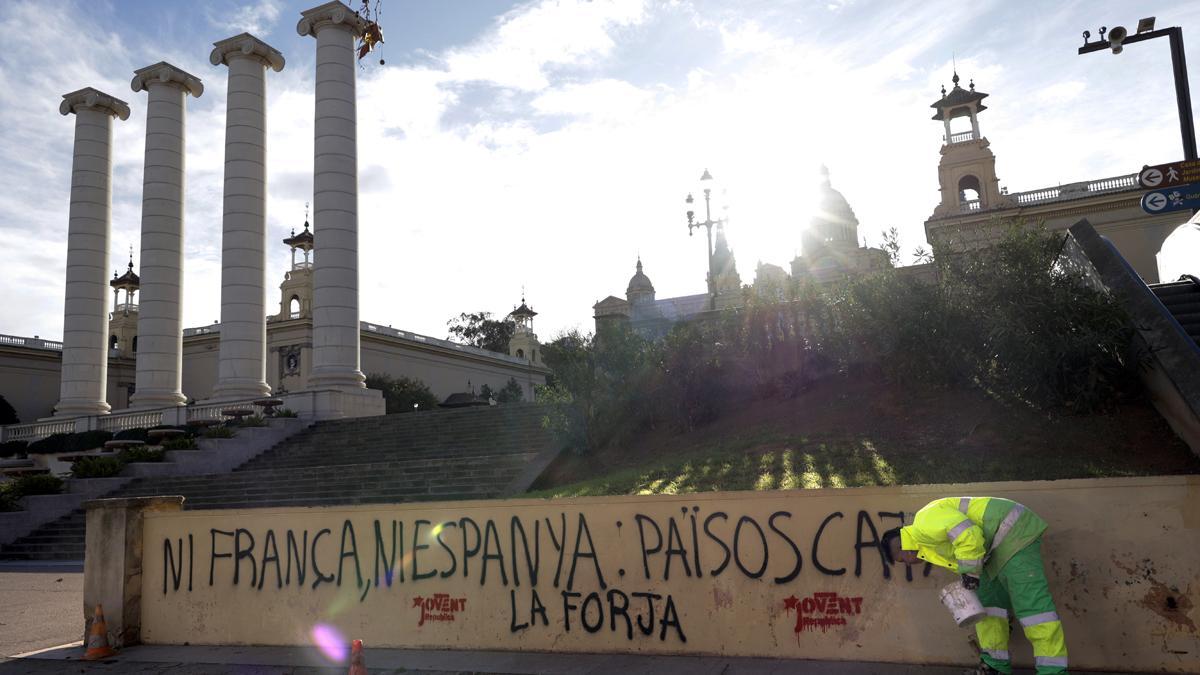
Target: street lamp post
{"x":707,"y":224}
{"x":1119,"y":37}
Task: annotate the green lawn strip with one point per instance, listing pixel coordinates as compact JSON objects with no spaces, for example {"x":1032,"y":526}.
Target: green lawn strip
{"x":775,"y":461}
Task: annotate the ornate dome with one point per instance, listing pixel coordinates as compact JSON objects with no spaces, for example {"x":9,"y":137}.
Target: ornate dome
{"x":834,"y":221}
{"x":639,"y":285}
{"x":639,"y":282}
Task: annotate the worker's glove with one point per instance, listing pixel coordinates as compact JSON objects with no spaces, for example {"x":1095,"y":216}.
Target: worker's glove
{"x":969,"y":582}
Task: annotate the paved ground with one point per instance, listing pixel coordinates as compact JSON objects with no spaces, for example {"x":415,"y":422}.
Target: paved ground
{"x":40,"y":606}
{"x":147,"y":660}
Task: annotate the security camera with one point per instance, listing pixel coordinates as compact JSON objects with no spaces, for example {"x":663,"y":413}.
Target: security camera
{"x":1115,"y":37}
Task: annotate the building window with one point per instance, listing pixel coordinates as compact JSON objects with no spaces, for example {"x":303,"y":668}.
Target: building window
{"x":520,"y":353}
{"x":294,"y":307}
{"x":112,"y":342}
{"x":134,"y":344}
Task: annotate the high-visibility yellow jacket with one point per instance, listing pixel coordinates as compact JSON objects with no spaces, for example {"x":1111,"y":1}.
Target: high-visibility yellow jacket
{"x":971,"y":535}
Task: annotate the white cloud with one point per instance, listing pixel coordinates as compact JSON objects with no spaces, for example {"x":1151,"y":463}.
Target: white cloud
{"x":256,"y":17}
{"x":558,"y":144}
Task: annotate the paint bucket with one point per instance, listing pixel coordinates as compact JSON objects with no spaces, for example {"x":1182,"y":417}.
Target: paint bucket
{"x":963,"y":604}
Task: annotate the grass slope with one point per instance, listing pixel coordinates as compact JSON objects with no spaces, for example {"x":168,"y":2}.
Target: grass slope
{"x":859,"y":431}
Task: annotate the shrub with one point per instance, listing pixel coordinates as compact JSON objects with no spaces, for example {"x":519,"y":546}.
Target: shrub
{"x":286,"y":412}
{"x":96,"y":467}
{"x":7,"y":501}
{"x":253,"y":421}
{"x":400,"y":394}
{"x":219,"y":432}
{"x":181,"y":443}
{"x":87,"y":440}
{"x":13,"y":448}
{"x":80,"y":442}
{"x":135,"y":434}
{"x":35,"y":484}
{"x":142,"y":454}
{"x":50,"y":444}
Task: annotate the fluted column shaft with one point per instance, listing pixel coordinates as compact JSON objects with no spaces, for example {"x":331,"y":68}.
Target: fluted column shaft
{"x":84,"y":379}
{"x":335,"y":199}
{"x":159,"y":361}
{"x":335,"y":299}
{"x":241,"y":370}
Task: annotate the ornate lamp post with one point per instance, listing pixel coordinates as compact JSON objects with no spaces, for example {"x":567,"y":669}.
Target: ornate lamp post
{"x":707,"y":224}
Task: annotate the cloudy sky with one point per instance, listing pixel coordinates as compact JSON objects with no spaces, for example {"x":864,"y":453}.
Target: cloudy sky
{"x":547,"y":144}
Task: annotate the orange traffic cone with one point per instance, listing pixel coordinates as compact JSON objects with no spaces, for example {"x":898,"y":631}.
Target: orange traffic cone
{"x":357,"y":666}
{"x":97,"y":642}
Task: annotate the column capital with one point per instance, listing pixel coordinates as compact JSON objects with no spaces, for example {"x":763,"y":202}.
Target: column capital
{"x":332,"y":13}
{"x":246,"y":45}
{"x":167,"y":74}
{"x":89,"y":98}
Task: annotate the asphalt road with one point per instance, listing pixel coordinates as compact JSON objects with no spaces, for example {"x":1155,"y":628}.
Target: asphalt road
{"x":39,"y":607}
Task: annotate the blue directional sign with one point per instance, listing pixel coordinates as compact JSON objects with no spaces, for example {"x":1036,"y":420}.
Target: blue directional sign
{"x":1178,"y":198}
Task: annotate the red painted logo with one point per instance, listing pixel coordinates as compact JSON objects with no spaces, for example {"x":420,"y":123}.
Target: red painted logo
{"x":822,"y":610}
{"x":438,"y":607}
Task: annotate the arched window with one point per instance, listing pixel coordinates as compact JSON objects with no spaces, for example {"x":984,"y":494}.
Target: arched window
{"x":970,"y":193}
{"x":134,"y":344}
{"x":112,"y":342}
{"x":520,"y":353}
{"x":294,"y":307}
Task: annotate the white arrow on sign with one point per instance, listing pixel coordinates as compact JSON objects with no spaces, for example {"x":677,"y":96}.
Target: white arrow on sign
{"x":1154,"y":201}
{"x":1151,"y":177}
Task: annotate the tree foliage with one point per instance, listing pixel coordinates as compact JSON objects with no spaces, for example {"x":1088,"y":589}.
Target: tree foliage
{"x":1012,"y":319}
{"x":402,"y":394}
{"x":479,"y":329}
{"x":511,"y":392}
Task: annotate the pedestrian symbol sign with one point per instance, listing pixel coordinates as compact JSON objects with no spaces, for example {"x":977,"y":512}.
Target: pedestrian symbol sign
{"x":1184,"y":197}
{"x":1169,"y":175}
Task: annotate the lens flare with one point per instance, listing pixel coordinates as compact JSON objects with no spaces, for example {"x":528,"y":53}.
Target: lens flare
{"x":331,"y":643}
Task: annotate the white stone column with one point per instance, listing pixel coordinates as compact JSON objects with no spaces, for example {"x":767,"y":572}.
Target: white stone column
{"x":241,"y":369}
{"x":85,"y":313}
{"x":159,"y":376}
{"x":335,"y":198}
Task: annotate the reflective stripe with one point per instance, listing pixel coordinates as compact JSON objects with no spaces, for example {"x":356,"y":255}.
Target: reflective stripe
{"x":958,"y":529}
{"x":998,"y":654}
{"x":1051,"y":661}
{"x":963,"y":504}
{"x":1006,"y":525}
{"x":968,"y":565}
{"x":1044,"y":617}
{"x":996,"y":611}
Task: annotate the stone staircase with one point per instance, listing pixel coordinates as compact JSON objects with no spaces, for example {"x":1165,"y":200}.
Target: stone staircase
{"x":469,"y":453}
{"x":1182,"y":300}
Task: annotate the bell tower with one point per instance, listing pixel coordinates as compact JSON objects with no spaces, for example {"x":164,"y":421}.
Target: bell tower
{"x":296,"y":291}
{"x":967,"y":171}
{"x":524,"y":342}
{"x":123,"y":320}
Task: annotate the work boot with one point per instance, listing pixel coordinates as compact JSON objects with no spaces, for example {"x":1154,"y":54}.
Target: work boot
{"x":983,"y":669}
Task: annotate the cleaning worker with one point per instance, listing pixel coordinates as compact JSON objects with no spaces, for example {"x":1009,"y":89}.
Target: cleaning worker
{"x":996,"y":545}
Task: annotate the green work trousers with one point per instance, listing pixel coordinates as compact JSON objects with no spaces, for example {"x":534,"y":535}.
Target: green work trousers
{"x":1020,"y":588}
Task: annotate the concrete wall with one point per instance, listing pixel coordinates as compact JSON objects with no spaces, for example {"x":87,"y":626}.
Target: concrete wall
{"x":29,"y":381}
{"x":779,"y":574}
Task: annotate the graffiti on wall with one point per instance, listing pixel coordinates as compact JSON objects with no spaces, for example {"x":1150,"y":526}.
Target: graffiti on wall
{"x":550,"y":567}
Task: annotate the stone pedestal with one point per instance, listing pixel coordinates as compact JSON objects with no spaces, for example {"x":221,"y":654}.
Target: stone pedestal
{"x":159,"y":372}
{"x":112,"y":566}
{"x":335,"y":198}
{"x":241,"y":369}
{"x":85,"y":313}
